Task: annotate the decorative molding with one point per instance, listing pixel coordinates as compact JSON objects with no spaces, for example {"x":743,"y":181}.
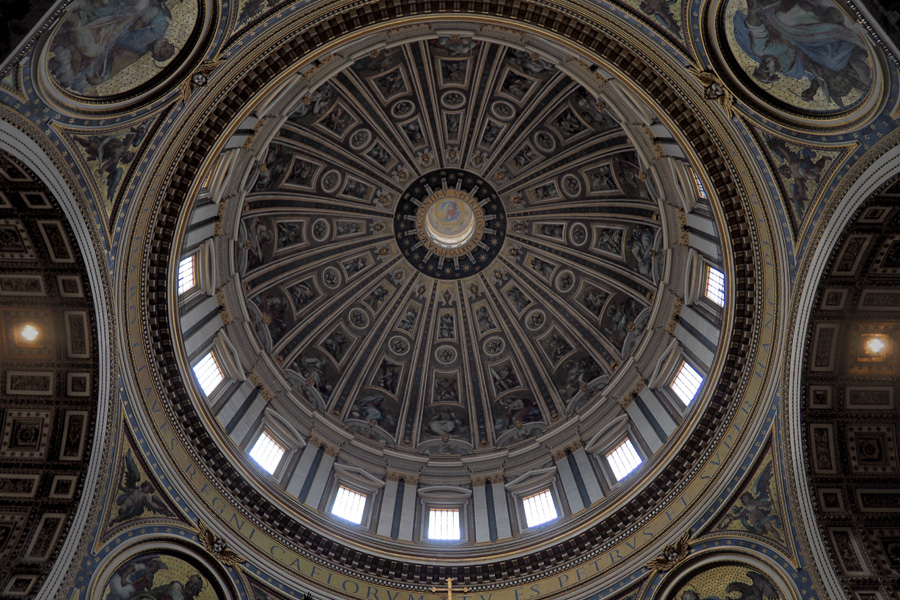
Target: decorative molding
{"x":218,"y":547}
{"x":672,"y":555}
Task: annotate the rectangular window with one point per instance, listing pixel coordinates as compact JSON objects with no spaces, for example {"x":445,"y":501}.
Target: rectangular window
{"x":539,"y":508}
{"x":267,"y":452}
{"x":443,"y":524}
{"x":701,"y":191}
{"x":715,"y":286}
{"x":686,"y":383}
{"x":186,"y":278}
{"x":208,"y":373}
{"x":349,"y":505}
{"x":623,"y":459}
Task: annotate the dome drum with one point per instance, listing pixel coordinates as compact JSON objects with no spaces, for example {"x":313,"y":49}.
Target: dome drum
{"x":517,"y":307}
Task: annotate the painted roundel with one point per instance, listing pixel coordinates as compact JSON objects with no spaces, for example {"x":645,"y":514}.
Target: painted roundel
{"x":803,"y":59}
{"x":450,"y":224}
{"x":153,"y":574}
{"x":116,"y":50}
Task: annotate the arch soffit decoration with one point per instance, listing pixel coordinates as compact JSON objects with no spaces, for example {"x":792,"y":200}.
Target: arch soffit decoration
{"x":22,"y":141}
{"x":870,"y":175}
{"x":150,"y":245}
{"x":707,"y":560}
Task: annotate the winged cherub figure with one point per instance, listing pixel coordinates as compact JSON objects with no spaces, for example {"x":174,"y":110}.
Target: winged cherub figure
{"x":755,"y":512}
{"x":137,"y":496}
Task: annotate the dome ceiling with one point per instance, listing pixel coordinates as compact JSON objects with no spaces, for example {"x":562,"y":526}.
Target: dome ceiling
{"x":332,"y":218}
{"x":450,"y":245}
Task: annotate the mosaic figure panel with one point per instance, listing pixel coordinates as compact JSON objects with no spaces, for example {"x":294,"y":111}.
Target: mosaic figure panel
{"x":154,"y":576}
{"x":757,"y":509}
{"x":808,"y":55}
{"x":137,"y":495}
{"x":109,"y":157}
{"x":111,"y":48}
{"x":729,"y":582}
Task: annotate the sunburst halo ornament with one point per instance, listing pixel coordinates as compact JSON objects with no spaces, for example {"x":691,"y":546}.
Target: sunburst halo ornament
{"x":715,"y":90}
{"x":218,"y":547}
{"x":671,"y":555}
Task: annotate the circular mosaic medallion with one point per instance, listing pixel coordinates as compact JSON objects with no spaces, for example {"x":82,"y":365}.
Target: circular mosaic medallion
{"x":450,"y":224}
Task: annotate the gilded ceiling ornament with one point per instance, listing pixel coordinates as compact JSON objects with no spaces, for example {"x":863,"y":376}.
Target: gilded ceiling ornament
{"x":676,"y":316}
{"x":671,"y":555}
{"x":218,"y":547}
{"x":317,"y":65}
{"x":220,"y":213}
{"x":635,"y":392}
{"x":223,"y":306}
{"x":714,"y":90}
{"x":199,"y":78}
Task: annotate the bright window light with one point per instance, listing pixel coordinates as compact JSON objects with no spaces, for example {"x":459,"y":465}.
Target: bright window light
{"x":715,"y":286}
{"x":208,"y":373}
{"x":349,"y":505}
{"x":186,"y":279}
{"x":623,"y":459}
{"x":701,"y":191}
{"x":539,"y":508}
{"x":443,"y":524}
{"x":686,"y":383}
{"x":267,"y":452}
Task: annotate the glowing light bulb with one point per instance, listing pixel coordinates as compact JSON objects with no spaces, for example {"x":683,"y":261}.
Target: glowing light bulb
{"x":875,"y":345}
{"x":29,"y":333}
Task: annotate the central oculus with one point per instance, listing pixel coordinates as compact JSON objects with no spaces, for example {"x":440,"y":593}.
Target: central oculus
{"x":450,"y":224}
{"x":450,"y":220}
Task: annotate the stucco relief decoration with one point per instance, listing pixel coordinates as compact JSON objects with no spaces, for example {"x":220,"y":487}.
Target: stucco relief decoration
{"x":108,"y":48}
{"x":154,"y":576}
{"x":810,"y":55}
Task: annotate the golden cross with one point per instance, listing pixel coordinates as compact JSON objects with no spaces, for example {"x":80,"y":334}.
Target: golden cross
{"x":450,"y":589}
